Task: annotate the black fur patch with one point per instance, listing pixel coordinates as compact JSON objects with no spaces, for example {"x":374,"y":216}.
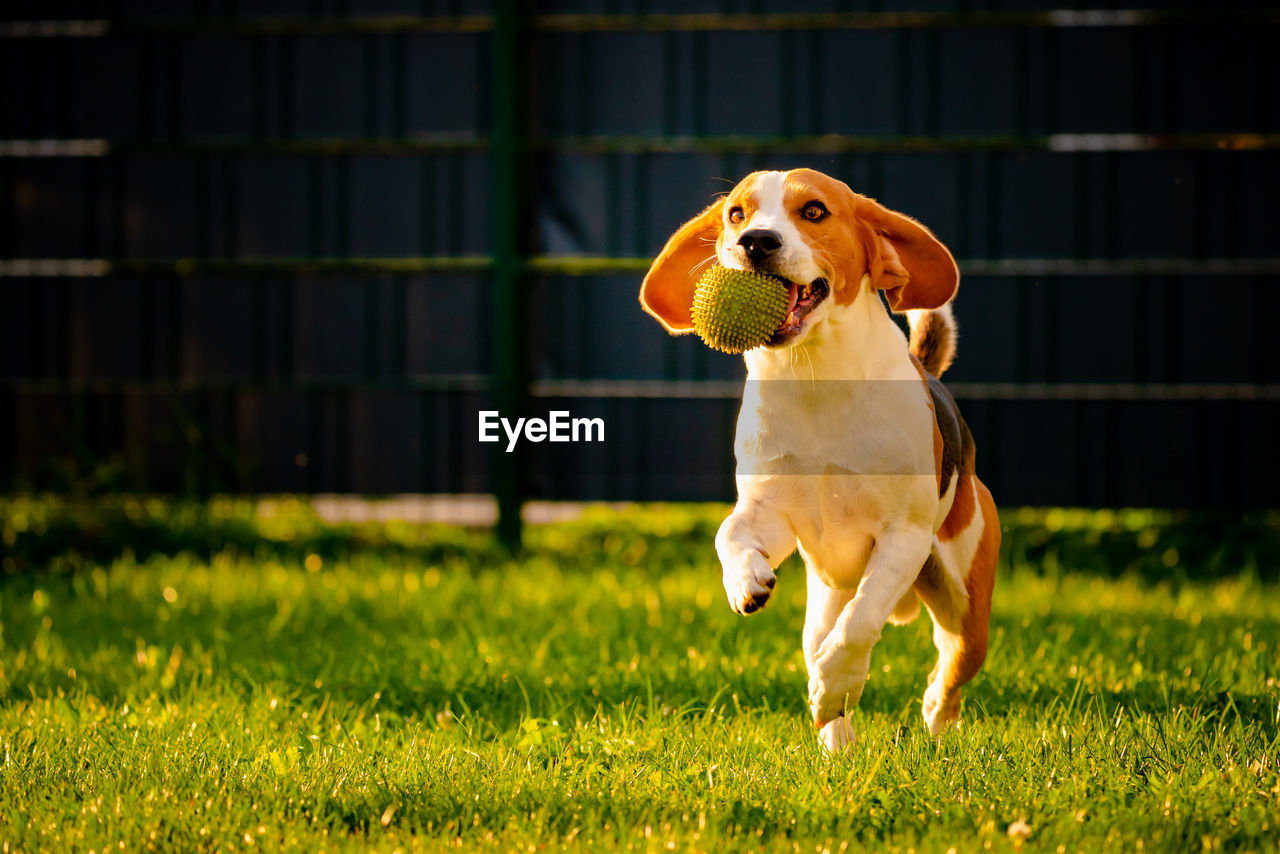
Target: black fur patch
{"x":957,"y":443}
{"x":931,"y":573}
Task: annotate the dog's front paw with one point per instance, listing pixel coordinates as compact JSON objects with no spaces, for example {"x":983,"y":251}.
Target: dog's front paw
{"x":826,"y":702}
{"x":749,"y":583}
{"x":837,"y":735}
{"x":835,"y":686}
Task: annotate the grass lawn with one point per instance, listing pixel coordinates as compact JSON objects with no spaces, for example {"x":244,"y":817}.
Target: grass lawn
{"x":599,"y":694}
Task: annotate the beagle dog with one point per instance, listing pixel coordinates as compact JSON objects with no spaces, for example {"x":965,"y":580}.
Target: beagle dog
{"x":848,"y":447}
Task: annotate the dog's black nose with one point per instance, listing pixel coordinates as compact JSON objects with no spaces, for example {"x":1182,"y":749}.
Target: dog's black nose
{"x":759,"y":243}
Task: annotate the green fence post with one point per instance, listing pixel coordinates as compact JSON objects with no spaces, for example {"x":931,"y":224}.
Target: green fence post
{"x":508,"y":187}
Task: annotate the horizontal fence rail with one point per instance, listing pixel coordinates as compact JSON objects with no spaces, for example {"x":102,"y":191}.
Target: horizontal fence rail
{"x":634,"y":389}
{"x":600,"y":23}
{"x":577,"y":265}
{"x":830,"y":144}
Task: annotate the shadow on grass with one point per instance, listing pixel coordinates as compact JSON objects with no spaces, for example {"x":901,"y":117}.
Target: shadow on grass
{"x":57,"y":534}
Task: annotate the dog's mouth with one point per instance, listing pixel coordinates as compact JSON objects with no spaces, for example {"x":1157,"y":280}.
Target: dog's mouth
{"x":803,"y":299}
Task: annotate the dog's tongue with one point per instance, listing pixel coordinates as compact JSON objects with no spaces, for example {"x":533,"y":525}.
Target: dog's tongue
{"x":793,"y":294}
{"x":793,"y":297}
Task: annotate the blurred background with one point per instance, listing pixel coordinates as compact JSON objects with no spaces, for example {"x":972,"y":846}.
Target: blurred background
{"x":296,"y":246}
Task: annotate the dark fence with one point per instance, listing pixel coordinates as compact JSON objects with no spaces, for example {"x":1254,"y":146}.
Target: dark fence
{"x":297,"y":246}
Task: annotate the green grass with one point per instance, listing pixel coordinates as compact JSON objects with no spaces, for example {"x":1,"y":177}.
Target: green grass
{"x":599,"y":694}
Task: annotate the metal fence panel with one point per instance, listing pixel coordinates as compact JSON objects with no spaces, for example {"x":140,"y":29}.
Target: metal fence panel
{"x":253,"y":246}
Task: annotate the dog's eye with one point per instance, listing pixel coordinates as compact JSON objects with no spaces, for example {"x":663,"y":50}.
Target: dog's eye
{"x":735,"y":215}
{"x":814,"y":211}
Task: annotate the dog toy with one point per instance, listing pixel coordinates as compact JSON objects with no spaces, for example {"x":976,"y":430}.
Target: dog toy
{"x":735,"y":310}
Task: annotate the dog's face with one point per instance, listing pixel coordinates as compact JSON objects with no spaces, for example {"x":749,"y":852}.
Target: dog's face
{"x":805,"y":227}
{"x":785,"y":224}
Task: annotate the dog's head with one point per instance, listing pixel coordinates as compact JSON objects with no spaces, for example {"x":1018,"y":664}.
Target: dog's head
{"x":814,"y":232}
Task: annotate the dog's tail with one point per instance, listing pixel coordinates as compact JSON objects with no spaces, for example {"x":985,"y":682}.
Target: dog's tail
{"x":933,"y":337}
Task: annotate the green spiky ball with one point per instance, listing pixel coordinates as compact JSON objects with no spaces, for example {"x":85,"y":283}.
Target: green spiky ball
{"x":734,"y":310}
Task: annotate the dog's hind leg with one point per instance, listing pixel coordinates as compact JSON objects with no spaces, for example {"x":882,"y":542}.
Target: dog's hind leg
{"x":960,"y":616}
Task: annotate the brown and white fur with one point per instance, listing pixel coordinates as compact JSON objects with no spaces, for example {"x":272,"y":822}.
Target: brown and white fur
{"x":847,"y":446}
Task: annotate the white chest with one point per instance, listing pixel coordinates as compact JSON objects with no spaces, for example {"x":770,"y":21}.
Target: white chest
{"x":841,"y":454}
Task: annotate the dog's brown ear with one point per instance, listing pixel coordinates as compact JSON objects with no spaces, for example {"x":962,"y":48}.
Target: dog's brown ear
{"x":906,"y":261}
{"x":667,"y":291}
